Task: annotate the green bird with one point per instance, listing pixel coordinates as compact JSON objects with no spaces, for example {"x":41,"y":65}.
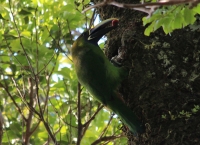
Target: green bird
{"x":99,"y":76}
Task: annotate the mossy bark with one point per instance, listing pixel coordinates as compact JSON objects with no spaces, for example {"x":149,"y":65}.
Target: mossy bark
{"x":163,"y":86}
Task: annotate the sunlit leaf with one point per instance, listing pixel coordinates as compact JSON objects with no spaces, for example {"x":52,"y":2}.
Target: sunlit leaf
{"x":188,"y":16}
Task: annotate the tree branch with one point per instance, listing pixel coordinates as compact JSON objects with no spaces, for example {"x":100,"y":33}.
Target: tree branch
{"x":148,"y":8}
{"x":1,"y":127}
{"x":80,"y":127}
{"x":26,"y":134}
{"x":104,"y":130}
{"x":106,"y":138}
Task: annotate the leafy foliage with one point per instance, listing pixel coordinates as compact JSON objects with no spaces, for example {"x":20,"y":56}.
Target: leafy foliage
{"x":38,"y":84}
{"x":170,"y":18}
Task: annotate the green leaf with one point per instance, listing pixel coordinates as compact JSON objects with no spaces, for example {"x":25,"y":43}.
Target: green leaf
{"x":167,"y":25}
{"x":26,"y":20}
{"x":4,"y":58}
{"x":24,"y":12}
{"x":65,"y":71}
{"x":43,"y":135}
{"x":15,"y":45}
{"x":31,"y":8}
{"x":197,"y":9}
{"x":177,"y":23}
{"x":145,"y":20}
{"x":149,"y":29}
{"x":90,"y":134}
{"x":1,"y":17}
{"x":188,"y":16}
{"x":13,"y":67}
{"x":21,"y":59}
{"x":158,"y":24}
{"x":26,"y":34}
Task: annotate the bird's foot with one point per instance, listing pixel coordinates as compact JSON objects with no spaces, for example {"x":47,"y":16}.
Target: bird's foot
{"x":115,"y":62}
{"x":118,"y":59}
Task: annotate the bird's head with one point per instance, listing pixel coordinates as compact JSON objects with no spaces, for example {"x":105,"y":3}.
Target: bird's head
{"x":94,"y":34}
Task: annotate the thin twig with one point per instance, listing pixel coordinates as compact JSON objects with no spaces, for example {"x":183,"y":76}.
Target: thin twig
{"x":70,"y":32}
{"x":106,"y":138}
{"x":93,"y":116}
{"x":42,"y":113}
{"x":26,"y":136}
{"x":36,"y":40}
{"x":20,"y":39}
{"x":86,"y":125}
{"x":15,"y":103}
{"x":34,"y":128}
{"x":80,"y":127}
{"x":104,"y":131}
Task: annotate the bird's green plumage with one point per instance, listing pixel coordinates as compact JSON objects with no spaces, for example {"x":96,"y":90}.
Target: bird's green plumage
{"x":101,"y":78}
{"x":94,"y":70}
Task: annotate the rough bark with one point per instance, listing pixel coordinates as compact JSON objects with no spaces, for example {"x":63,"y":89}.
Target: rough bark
{"x":163,"y":80}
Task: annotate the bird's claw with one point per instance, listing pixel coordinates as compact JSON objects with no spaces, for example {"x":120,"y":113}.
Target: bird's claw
{"x":117,"y":60}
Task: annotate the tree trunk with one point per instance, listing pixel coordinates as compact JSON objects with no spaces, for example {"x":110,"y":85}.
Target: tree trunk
{"x":163,"y":86}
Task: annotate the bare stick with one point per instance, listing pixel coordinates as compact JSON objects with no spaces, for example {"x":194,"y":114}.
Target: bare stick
{"x":79,"y":115}
{"x":144,"y":7}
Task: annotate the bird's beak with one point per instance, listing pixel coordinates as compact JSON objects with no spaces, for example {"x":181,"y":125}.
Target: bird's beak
{"x":102,"y":28}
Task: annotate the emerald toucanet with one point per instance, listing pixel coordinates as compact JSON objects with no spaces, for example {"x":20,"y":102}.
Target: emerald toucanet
{"x":100,"y":77}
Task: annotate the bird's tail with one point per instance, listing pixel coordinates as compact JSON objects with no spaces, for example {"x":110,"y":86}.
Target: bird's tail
{"x":127,"y":116}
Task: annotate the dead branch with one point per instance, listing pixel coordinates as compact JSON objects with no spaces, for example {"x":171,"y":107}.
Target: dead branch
{"x":148,"y":8}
